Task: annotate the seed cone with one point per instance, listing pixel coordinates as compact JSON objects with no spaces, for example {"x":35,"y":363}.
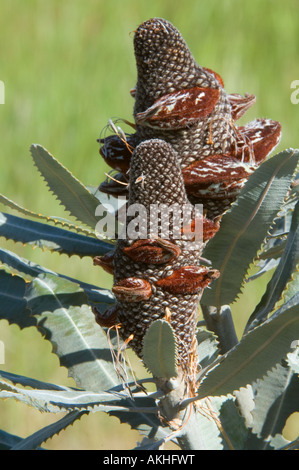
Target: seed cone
{"x":155,"y":276}
{"x":186,"y":105}
{"x":165,"y":65}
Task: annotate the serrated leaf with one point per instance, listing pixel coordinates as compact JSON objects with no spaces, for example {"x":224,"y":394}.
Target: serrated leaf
{"x":293,"y":359}
{"x":13,"y":306}
{"x":29,"y":382}
{"x":7,"y":440}
{"x":50,"y":219}
{"x":49,"y":237}
{"x":276,"y":398}
{"x":207,"y":347}
{"x":61,"y":309}
{"x":245,"y":225}
{"x":159,"y":350}
{"x":286,"y":268}
{"x":255,"y":355}
{"x":34,"y":440}
{"x":55,"y":401}
{"x":210,"y":433}
{"x":73,"y":195}
{"x":28,"y":270}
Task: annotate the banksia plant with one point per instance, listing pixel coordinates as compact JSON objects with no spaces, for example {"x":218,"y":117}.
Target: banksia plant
{"x":172,"y":292}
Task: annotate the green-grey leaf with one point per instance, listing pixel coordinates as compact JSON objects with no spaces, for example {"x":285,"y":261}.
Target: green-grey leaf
{"x":55,"y":401}
{"x":215,"y":414}
{"x":60,"y":307}
{"x":29,"y":382}
{"x":160,"y":350}
{"x":73,"y":195}
{"x":286,"y":268}
{"x":7,"y":440}
{"x":276,"y":398}
{"x":293,"y":358}
{"x":28,"y":270}
{"x":13,"y":306}
{"x":207,"y":347}
{"x":50,"y":219}
{"x":34,"y":440}
{"x":255,"y":355}
{"x":245,"y":225}
{"x":49,"y":237}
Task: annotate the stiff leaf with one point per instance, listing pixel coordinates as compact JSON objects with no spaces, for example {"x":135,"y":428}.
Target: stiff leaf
{"x":28,"y":270}
{"x":245,"y":226}
{"x":29,"y":382}
{"x":13,"y":306}
{"x":34,"y":440}
{"x":50,"y":219}
{"x":61,"y":309}
{"x":276,"y":398}
{"x":286,"y":268}
{"x":207,"y":347}
{"x":258,"y":351}
{"x":49,"y":237}
{"x":8,"y":441}
{"x":72,"y":194}
{"x":55,"y":401}
{"x":159,"y":350}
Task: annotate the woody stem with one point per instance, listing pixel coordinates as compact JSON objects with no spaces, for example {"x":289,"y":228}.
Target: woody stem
{"x":189,"y":437}
{"x":221,"y":323}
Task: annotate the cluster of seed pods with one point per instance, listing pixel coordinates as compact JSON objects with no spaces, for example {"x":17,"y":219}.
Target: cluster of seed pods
{"x":158,"y":277}
{"x":185,"y":149}
{"x":178,"y":101}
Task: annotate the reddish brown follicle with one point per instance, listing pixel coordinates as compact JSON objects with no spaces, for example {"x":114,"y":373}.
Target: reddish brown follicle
{"x":108,"y":318}
{"x":132,"y":289}
{"x":214,"y":169}
{"x":257,"y":139}
{"x":116,"y":152}
{"x":209,"y":228}
{"x":156,"y":251}
{"x":240,"y":104}
{"x":188,"y":280}
{"x":180,"y":108}
{"x":105,"y":261}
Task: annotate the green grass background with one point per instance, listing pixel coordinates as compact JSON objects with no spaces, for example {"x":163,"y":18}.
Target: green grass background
{"x":67,"y":67}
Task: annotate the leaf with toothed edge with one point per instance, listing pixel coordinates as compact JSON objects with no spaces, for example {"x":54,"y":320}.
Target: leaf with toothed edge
{"x":55,"y":401}
{"x":48,"y":237}
{"x":256,"y":353}
{"x":33,"y":441}
{"x":50,"y":219}
{"x":15,"y":271}
{"x":63,"y":314}
{"x":159,"y":349}
{"x":245,"y":226}
{"x":13,"y":306}
{"x":72,"y":194}
{"x":284,"y":274}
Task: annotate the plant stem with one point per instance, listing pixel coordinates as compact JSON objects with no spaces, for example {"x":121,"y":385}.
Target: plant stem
{"x":184,"y":421}
{"x":221,"y":323}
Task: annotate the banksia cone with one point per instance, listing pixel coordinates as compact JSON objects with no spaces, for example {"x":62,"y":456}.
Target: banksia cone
{"x":156,"y":277}
{"x":186,"y":105}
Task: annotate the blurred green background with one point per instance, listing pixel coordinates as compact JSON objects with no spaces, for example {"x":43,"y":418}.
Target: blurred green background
{"x":68,"y":67}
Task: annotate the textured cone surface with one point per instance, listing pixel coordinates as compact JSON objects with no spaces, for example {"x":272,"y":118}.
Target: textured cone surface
{"x":186,"y":105}
{"x":164,"y":65}
{"x":161,"y":182}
